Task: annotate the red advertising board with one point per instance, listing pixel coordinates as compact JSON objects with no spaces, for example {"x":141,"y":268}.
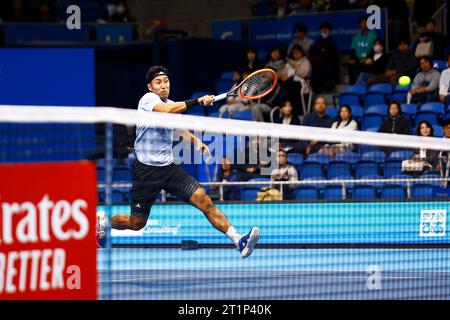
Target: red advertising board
{"x":47,"y":231}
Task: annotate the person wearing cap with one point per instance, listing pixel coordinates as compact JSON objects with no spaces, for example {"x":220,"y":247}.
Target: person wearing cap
{"x":154,"y":168}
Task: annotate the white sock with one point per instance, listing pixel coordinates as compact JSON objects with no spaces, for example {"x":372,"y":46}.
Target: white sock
{"x":233,"y":235}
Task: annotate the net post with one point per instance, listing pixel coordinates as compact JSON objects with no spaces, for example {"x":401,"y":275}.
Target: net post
{"x":221,"y":192}
{"x":344,"y":191}
{"x":109,"y":138}
{"x":408,"y":190}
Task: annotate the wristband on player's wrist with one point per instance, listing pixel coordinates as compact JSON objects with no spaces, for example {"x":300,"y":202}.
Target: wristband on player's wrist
{"x":191,"y":103}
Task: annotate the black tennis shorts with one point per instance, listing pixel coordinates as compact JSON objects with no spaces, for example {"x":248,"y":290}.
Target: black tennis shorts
{"x":148,"y":181}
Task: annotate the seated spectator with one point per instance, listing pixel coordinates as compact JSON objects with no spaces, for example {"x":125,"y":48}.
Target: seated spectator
{"x":276,"y":61}
{"x":295,"y":76}
{"x":44,"y":13}
{"x":286,"y":116}
{"x":443,"y":164}
{"x":438,"y":40}
{"x":345,"y":122}
{"x":426,"y":83}
{"x":252,"y":63}
{"x":324,"y":58}
{"x":444,"y":84}
{"x":427,"y":158}
{"x":227,"y":173}
{"x":304,"y":6}
{"x":17,"y":11}
{"x":395,"y":122}
{"x":281,"y":8}
{"x":374,"y":64}
{"x":234,"y":103}
{"x":121,"y":12}
{"x":301,"y":39}
{"x":284,"y":172}
{"x":401,"y":63}
{"x":317,"y":119}
{"x":362,"y":44}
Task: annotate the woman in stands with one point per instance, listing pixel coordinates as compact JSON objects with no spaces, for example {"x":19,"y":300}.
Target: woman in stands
{"x":427,"y":157}
{"x":345,"y":122}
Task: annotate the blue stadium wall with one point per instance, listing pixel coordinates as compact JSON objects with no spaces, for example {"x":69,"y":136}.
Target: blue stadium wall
{"x":298,"y":223}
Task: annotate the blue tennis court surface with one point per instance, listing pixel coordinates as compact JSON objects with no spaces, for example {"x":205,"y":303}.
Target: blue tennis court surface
{"x":175,"y":274}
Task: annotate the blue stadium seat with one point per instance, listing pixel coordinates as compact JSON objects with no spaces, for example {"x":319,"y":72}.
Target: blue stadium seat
{"x":431,"y":175}
{"x":120,"y":195}
{"x":322,"y":158}
{"x":393,"y":192}
{"x":228,"y":75}
{"x":333,"y":192}
{"x":295,"y":159}
{"x":121,"y":174}
{"x":373,"y":177}
{"x":392,"y":168}
{"x":431,"y":117}
{"x":436,"y":107}
{"x":399,"y":93}
{"x":338,"y":169}
{"x":222,"y":85}
{"x":364,"y":192}
{"x":421,"y":191}
{"x":401,"y":177}
{"x":250,"y":193}
{"x":305,"y":193}
{"x":100,"y":175}
{"x":400,"y":155}
{"x":311,"y":169}
{"x":438,"y":131}
{"x":381,"y":87}
{"x":439,"y":65}
{"x":409,"y":109}
{"x":371,"y":121}
{"x":357,"y":112}
{"x":375,"y":156}
{"x":243,"y":115}
{"x":380,"y":109}
{"x":365,"y":168}
{"x":352,"y":95}
{"x":332,"y":112}
{"x":350,"y":157}
{"x":377,"y":94}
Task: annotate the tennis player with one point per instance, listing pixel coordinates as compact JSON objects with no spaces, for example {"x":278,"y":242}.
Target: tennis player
{"x":154,"y":168}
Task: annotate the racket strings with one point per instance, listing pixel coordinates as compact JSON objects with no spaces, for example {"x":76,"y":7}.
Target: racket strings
{"x":258,"y":84}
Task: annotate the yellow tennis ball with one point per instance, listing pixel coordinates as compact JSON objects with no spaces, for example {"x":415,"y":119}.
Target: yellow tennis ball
{"x":404,"y":81}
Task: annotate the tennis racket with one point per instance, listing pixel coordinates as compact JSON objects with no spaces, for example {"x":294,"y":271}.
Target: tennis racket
{"x":256,"y":85}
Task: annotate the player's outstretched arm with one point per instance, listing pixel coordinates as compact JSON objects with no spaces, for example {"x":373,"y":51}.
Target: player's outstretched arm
{"x":180,"y":107}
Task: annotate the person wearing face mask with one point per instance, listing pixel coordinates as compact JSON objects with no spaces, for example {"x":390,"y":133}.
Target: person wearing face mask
{"x":362,"y":44}
{"x":324,"y":58}
{"x":374,"y":64}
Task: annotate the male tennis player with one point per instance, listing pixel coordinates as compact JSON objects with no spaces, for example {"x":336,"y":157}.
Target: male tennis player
{"x":154,"y":168}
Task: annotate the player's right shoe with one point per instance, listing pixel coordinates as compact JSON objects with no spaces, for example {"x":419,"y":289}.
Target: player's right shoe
{"x":102,"y":223}
{"x":247,"y":242}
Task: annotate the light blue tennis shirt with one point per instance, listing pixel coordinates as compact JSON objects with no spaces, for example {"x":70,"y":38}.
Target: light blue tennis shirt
{"x":153,"y":146}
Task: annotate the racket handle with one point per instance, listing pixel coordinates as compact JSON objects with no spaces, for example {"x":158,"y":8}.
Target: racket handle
{"x":220,"y":97}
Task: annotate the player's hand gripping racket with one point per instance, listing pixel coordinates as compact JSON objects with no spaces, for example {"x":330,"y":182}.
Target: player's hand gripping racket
{"x":256,"y":85}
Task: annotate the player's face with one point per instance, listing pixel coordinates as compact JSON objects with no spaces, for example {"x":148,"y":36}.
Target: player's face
{"x":160,"y":86}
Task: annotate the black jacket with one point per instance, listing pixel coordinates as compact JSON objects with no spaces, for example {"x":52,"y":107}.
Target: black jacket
{"x":398,"y":125}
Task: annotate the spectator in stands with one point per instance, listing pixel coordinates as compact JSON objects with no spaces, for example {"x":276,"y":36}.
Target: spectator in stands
{"x":444,"y":84}
{"x":317,"y":119}
{"x":425,"y":129}
{"x":362,"y":44}
{"x":121,"y":12}
{"x":253,"y":63}
{"x":284,"y":172}
{"x":324,"y":58}
{"x":227,"y":173}
{"x":287,"y":116}
{"x":304,"y":6}
{"x":234,"y":103}
{"x":44,"y":13}
{"x":301,"y":39}
{"x":345,"y":122}
{"x":17,"y":12}
{"x":395,"y":122}
{"x":281,"y":8}
{"x":276,"y":61}
{"x":398,"y":20}
{"x":438,"y":40}
{"x":295,"y":76}
{"x":374,"y":64}
{"x":401,"y":63}
{"x":426,"y":83}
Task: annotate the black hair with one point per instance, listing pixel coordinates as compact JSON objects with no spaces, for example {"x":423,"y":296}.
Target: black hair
{"x":428,"y":59}
{"x":361,"y":19}
{"x":378,"y":40}
{"x":428,"y":125}
{"x":349,"y":119}
{"x":154,"y":71}
{"x":404,"y":41}
{"x":300,"y":27}
{"x":395,"y":102}
{"x":299,"y":48}
{"x":431,"y":21}
{"x":326,"y":25}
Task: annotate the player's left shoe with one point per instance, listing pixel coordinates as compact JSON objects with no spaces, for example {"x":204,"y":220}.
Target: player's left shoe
{"x":247,"y":243}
